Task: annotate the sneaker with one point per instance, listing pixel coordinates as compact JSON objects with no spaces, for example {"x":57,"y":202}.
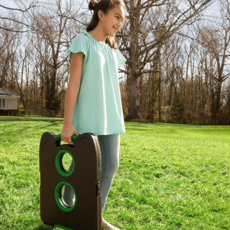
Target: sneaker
{"x":108,"y":226}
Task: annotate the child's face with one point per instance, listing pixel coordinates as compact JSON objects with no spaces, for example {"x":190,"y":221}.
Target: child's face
{"x":114,"y":18}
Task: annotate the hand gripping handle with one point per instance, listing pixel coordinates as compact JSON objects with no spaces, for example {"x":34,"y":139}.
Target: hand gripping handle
{"x":58,"y":137}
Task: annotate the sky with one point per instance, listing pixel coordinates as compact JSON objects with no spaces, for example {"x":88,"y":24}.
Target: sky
{"x":209,"y":15}
{"x":212,"y":13}
{"x":212,"y":10}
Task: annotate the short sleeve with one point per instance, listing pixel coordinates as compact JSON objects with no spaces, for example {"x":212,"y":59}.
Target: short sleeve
{"x":78,"y":44}
{"x":120,"y":58}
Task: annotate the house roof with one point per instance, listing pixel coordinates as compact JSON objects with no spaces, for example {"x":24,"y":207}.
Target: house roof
{"x":5,"y":92}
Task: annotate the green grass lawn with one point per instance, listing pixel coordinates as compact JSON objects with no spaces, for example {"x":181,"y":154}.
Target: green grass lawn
{"x":170,"y":176}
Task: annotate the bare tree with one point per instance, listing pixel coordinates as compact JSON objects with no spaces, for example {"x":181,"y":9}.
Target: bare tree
{"x":17,"y":14}
{"x":135,"y":42}
{"x":216,"y":41}
{"x":52,"y":35}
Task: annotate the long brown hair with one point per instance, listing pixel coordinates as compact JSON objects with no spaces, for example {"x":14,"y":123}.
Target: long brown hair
{"x":105,"y":6}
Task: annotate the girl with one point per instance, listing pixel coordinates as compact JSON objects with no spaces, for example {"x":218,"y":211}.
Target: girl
{"x":93,"y":101}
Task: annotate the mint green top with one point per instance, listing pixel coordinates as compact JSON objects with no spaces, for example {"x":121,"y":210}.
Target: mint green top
{"x":98,"y":108}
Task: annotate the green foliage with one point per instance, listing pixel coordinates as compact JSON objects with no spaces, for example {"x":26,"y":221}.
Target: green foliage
{"x":176,"y":111}
{"x":54,"y":103}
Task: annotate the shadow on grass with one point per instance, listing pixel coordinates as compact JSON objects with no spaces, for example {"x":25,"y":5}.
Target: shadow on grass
{"x":21,"y":131}
{"x":43,"y":227}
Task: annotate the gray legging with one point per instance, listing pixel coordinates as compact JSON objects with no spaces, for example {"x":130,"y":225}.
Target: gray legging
{"x":110,"y":146}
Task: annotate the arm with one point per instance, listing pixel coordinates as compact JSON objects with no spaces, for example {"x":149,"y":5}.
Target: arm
{"x":76,"y":63}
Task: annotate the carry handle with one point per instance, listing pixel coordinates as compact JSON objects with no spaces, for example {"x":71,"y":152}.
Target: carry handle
{"x":58,"y":137}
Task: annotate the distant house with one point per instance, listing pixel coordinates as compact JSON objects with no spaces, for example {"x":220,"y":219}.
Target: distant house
{"x":8,"y":102}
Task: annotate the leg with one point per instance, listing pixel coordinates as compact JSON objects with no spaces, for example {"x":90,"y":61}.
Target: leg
{"x":110,"y":146}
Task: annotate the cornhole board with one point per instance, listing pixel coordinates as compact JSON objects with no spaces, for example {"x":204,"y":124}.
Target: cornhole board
{"x":83,"y":177}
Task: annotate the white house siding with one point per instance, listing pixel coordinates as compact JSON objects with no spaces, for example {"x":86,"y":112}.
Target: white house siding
{"x":9,"y":103}
{"x":1,"y":101}
{"x":12,"y":103}
{"x":10,"y":99}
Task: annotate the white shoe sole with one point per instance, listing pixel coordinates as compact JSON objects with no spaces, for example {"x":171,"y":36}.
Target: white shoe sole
{"x":109,"y":226}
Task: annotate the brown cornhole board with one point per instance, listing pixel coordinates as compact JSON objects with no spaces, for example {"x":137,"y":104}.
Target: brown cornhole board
{"x":84,"y":178}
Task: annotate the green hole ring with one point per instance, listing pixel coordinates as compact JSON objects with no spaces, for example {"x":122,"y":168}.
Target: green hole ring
{"x":59,"y":165}
{"x":63,"y":227}
{"x":57,"y":195}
